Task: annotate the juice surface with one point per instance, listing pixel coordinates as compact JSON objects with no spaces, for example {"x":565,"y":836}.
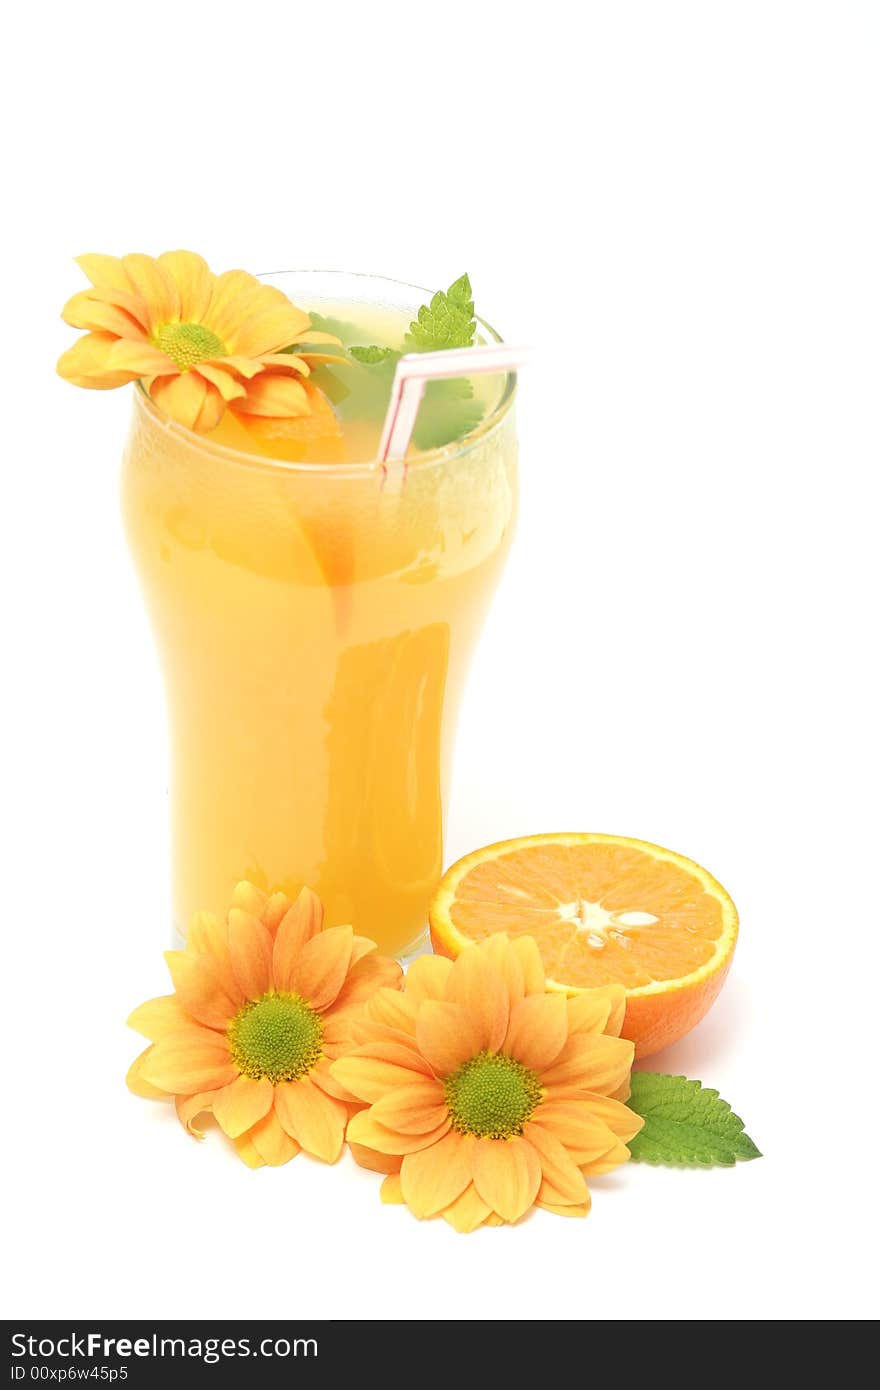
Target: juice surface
{"x":315,"y":631}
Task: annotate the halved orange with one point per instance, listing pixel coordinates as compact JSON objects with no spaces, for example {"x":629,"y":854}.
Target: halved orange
{"x":603,"y":909}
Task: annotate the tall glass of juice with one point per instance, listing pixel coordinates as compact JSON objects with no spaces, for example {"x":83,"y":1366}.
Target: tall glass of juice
{"x":315,"y":627}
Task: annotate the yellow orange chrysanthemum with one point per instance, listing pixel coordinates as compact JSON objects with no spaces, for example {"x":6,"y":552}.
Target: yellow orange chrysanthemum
{"x":485,"y":1094}
{"x":200,"y":342}
{"x":262,"y":1004}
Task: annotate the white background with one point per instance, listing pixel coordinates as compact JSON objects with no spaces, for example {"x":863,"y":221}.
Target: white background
{"x":677,"y":204}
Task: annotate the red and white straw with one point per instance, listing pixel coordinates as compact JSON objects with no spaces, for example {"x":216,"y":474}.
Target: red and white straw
{"x":413,"y":372}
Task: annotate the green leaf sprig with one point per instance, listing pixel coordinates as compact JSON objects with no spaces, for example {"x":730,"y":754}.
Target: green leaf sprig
{"x":687,"y":1125}
{"x":449,"y":409}
{"x":447,"y":322}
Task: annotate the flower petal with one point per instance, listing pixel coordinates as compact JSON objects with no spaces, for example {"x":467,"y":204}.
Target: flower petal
{"x":156,"y":287}
{"x":158,"y":1016}
{"x":506,"y":961}
{"x":314,"y":335}
{"x":617,"y":1013}
{"x":189,"y":1108}
{"x":285,"y":362}
{"x":592,"y":1061}
{"x":206,"y":989}
{"x":526,"y":949}
{"x":427,"y":978}
{"x":247,"y":1153}
{"x":476,"y":984}
{"x":315,"y":359}
{"x":612,"y":1158}
{"x":234,"y":295}
{"x":212,"y":410}
{"x":623,"y":1122}
{"x":563,"y":1179}
{"x":193,"y":1034}
{"x":105,"y":272}
{"x":297,"y":927}
{"x":242,"y":366}
{"x":574,"y":1126}
{"x":319,"y":971}
{"x":339,"y":1033}
{"x":390,"y":1192}
{"x":363,"y":1129}
{"x":229,"y":387}
{"x":313,"y":1118}
{"x":447,"y":1035}
{"x":560,"y":1209}
{"x":91,"y":310}
{"x":597,"y":1010}
{"x":274,"y":396}
{"x":371,"y":1071}
{"x":85,"y":363}
{"x":250,"y":953}
{"x":193,"y":280}
{"x":322,"y":1076}
{"x":373,"y":1160}
{"x":507,"y":1175}
{"x":138,"y":1085}
{"x":271,"y":1141}
{"x":277,"y":327}
{"x":276,"y":909}
{"x":242,"y":1103}
{"x":394,"y":1010}
{"x":137,"y":355}
{"x":183,"y":1067}
{"x":372,"y":973}
{"x":415,"y":1109}
{"x":362,"y":1030}
{"x":181,"y":397}
{"x":538,"y":1030}
{"x":467,"y":1212}
{"x":433,"y":1178}
{"x":247,"y":895}
{"x":361,"y":947}
{"x":207,"y":937}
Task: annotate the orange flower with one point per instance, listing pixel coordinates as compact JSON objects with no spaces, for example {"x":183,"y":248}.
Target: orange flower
{"x":261,"y":1006}
{"x":200,"y":342}
{"x":487,"y":1095}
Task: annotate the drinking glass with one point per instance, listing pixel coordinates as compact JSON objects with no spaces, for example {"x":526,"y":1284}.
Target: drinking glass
{"x":315,"y":628}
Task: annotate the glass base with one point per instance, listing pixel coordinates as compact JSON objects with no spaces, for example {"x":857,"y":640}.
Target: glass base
{"x":420,"y":947}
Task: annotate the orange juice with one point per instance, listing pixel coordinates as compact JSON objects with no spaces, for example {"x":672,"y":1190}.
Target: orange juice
{"x":315,"y":629}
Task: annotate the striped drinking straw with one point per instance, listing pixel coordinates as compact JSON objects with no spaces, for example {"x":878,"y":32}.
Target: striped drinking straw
{"x":414,"y":371}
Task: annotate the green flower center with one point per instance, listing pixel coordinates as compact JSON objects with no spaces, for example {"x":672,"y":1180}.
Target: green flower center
{"x":278,"y":1036}
{"x":188,"y":343}
{"x":491,"y":1096}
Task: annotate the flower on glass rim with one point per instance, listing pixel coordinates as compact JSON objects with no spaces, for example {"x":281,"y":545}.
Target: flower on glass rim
{"x":200,"y":342}
{"x":262,"y":1004}
{"x":486,"y":1094}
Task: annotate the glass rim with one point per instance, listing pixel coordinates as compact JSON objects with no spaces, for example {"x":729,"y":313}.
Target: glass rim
{"x":354,"y":468}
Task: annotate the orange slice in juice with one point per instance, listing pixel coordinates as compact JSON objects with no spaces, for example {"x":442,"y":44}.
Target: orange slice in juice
{"x":316,"y":436}
{"x":603,"y":909}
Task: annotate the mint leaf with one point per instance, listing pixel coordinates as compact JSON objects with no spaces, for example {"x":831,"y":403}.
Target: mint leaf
{"x":687,"y":1125}
{"x":329,"y":380}
{"x":448,"y":411}
{"x":375,"y":356}
{"x":340,"y":328}
{"x":447,"y":322}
